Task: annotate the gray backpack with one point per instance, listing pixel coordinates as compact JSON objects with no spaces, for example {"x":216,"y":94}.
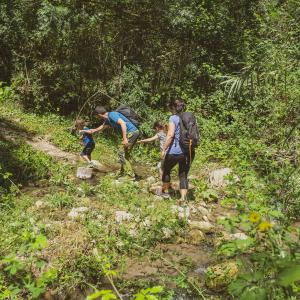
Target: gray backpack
{"x":130,"y":114}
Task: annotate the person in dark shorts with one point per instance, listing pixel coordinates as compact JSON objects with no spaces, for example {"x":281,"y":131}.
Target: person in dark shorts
{"x":174,"y":155}
{"x":88,"y":141}
{"x":129,"y":132}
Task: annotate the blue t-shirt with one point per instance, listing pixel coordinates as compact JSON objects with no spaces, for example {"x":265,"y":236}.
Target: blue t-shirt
{"x":175,"y":145}
{"x":113,"y":118}
{"x":87,"y":137}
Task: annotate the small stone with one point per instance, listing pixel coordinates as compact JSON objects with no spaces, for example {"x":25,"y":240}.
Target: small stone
{"x":205,"y":218}
{"x":239,"y":236}
{"x":182,"y":212}
{"x":167,"y":232}
{"x":218,"y":240}
{"x":196,"y":237}
{"x":84,"y":173}
{"x":133,"y":233}
{"x":81,"y":209}
{"x":122,"y":216}
{"x":73,"y":214}
{"x":204,"y":226}
{"x":204,"y":211}
{"x":98,"y":166}
{"x":193,"y":209}
{"x":217,"y":177}
{"x":203,"y":204}
{"x":77,"y":212}
{"x":147,"y":222}
{"x":221,"y":275}
{"x":40,"y":204}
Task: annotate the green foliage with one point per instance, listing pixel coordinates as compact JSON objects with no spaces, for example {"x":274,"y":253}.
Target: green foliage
{"x":21,"y":163}
{"x":60,"y":200}
{"x":236,"y":65}
{"x":17,"y":277}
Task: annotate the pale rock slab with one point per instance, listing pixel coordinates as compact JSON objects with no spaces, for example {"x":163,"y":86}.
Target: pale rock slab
{"x":121,"y":216}
{"x":217,"y":177}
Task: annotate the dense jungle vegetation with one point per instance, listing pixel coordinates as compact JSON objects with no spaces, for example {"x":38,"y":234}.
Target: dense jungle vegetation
{"x":237,"y":66}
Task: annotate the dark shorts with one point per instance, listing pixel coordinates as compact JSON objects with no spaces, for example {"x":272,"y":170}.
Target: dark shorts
{"x":88,"y":149}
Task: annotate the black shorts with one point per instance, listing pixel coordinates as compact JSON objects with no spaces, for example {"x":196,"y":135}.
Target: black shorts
{"x":88,"y":149}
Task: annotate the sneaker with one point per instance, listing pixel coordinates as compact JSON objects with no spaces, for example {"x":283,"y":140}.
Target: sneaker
{"x":162,"y":194}
{"x":165,"y":195}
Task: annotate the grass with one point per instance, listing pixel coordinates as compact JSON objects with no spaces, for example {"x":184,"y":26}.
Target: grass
{"x":43,"y":208}
{"x":50,"y":192}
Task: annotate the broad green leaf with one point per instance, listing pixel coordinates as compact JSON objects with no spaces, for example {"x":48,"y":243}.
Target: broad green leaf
{"x":156,"y":289}
{"x":289,"y":275}
{"x":254,"y":294}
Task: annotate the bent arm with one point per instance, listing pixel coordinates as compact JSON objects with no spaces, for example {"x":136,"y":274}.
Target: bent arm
{"x":123,"y":128}
{"x":149,"y":139}
{"x":98,"y":129}
{"x":170,"y":136}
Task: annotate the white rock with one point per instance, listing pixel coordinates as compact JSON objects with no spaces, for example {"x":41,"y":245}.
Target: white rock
{"x":81,"y":209}
{"x":97,"y":165}
{"x":133,"y":232}
{"x":238,"y":236}
{"x":203,"y":204}
{"x":122,"y":216}
{"x":183,"y":212}
{"x":204,"y":211}
{"x":202,"y":225}
{"x":147,"y":222}
{"x":205,"y":218}
{"x":39,"y":204}
{"x":73,"y":214}
{"x":217,"y":177}
{"x":84,"y":173}
{"x":193,"y":209}
{"x":167,"y":232}
{"x":77,"y":212}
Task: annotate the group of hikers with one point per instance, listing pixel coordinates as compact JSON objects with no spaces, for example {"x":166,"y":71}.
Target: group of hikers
{"x":177,"y":141}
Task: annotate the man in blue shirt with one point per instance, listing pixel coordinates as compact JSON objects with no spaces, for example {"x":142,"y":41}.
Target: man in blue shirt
{"x":129,"y":131}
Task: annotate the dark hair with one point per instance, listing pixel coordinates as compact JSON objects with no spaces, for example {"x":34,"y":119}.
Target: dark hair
{"x":177,"y":106}
{"x":159,"y":125}
{"x":79,"y":123}
{"x":100,"y":110}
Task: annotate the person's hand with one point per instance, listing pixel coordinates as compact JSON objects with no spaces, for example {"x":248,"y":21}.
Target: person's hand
{"x":163,"y":154}
{"x":125,"y":143}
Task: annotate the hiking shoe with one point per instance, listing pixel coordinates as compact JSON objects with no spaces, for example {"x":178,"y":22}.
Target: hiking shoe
{"x":162,"y":194}
{"x":165,"y":195}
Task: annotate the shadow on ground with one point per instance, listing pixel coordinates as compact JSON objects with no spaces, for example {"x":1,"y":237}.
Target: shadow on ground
{"x":17,"y":158}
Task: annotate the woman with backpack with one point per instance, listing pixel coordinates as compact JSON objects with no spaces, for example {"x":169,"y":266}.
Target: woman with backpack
{"x":179,"y":148}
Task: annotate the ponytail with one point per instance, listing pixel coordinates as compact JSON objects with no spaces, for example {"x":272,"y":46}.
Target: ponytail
{"x":178,"y":106}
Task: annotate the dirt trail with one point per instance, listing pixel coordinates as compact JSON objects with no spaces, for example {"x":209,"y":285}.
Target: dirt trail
{"x":51,"y":150}
{"x":14,"y":132}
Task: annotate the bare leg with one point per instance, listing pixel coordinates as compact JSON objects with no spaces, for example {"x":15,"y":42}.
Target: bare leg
{"x":183,"y":193}
{"x":86,"y":158}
